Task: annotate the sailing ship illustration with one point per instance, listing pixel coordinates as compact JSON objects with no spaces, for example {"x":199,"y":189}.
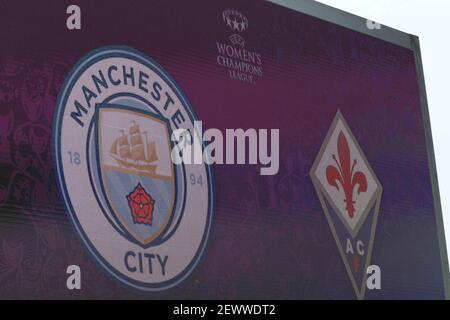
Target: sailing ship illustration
{"x":130,"y":151}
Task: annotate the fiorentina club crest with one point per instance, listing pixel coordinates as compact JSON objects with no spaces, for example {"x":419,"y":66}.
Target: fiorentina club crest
{"x":350,"y":195}
{"x":133,"y":208}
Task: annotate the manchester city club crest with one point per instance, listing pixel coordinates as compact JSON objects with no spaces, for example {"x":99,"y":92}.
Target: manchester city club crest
{"x":135,"y":210}
{"x":136,"y":171}
{"x":350,"y":195}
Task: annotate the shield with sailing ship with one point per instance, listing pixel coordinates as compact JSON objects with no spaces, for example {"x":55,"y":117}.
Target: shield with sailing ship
{"x":136,"y":170}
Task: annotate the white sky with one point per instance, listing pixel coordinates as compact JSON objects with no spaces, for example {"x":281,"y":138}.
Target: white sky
{"x":428,"y":19}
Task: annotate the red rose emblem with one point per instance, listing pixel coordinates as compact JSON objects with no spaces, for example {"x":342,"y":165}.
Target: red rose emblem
{"x":141,"y":205}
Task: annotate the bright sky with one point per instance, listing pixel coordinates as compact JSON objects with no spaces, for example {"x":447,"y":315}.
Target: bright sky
{"x":428,"y":19}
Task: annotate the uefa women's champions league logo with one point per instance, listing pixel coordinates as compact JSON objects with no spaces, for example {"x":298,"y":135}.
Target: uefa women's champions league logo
{"x":137,"y":212}
{"x":238,"y":23}
{"x":235,"y":20}
{"x":235,"y":55}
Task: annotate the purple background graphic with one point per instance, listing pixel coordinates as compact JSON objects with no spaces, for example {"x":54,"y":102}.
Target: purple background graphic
{"x":270,"y":237}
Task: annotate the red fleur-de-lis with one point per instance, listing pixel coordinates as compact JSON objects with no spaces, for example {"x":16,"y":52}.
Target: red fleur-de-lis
{"x":344,"y":172}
